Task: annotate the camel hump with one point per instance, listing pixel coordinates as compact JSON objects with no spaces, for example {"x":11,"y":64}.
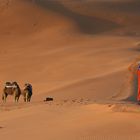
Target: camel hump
{"x":11,"y":85}
{"x":8,"y":84}
{"x":28,"y":85}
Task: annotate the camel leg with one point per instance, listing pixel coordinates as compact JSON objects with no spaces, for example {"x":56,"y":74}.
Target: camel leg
{"x":24,"y":96}
{"x":27,"y":96}
{"x":15,"y":95}
{"x":4,"y":96}
{"x":28,"y":99}
{"x":24,"y":99}
{"x":15,"y":99}
{"x":18,"y":98}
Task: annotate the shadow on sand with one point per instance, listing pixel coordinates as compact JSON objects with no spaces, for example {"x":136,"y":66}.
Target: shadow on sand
{"x":133,"y":7}
{"x":85,"y":24}
{"x":134,"y":91}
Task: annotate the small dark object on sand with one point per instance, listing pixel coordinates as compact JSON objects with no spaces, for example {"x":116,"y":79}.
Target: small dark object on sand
{"x":110,"y":105}
{"x":48,"y":99}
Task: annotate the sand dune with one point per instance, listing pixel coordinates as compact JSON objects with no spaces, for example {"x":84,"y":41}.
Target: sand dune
{"x":55,"y":47}
{"x":85,"y":23}
{"x":83,"y":54}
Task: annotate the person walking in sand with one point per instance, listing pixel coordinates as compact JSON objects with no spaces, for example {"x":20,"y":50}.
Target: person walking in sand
{"x":138,"y":73}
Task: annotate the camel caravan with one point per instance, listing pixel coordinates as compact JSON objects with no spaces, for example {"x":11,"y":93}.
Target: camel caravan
{"x":12,"y":88}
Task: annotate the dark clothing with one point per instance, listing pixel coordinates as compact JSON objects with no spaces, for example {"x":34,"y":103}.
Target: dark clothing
{"x":29,"y":88}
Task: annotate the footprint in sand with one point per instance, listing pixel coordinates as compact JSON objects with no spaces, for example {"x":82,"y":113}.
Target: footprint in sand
{"x":110,"y":105}
{"x":73,"y":101}
{"x":65,"y":101}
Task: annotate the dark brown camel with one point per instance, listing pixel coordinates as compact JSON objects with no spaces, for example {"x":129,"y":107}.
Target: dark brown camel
{"x":27,"y":92}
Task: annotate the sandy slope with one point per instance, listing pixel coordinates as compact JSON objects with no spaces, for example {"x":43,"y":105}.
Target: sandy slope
{"x":72,"y":123}
{"x":77,"y":52}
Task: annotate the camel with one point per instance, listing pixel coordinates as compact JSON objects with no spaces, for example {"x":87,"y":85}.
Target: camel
{"x":11,"y":89}
{"x":27,"y":92}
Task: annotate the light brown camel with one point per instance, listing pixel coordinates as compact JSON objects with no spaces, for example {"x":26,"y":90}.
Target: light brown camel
{"x":11,"y":89}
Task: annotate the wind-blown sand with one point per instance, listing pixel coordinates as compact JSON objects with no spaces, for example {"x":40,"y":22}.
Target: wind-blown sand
{"x":83,"y":54}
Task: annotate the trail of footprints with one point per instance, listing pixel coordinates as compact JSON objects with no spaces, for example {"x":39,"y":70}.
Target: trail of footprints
{"x":70,"y":102}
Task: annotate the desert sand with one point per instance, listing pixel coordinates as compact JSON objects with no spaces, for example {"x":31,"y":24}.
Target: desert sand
{"x":81,"y":53}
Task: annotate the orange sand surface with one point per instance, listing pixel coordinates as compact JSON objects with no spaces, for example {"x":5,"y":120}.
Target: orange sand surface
{"x":81,"y":53}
